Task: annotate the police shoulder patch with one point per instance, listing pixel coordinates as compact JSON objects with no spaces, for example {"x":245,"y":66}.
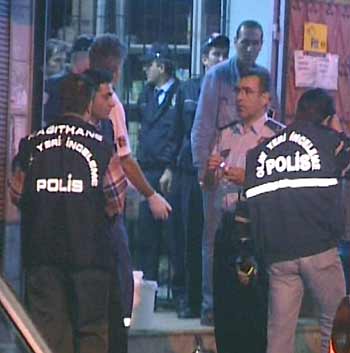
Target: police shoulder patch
{"x":274,"y":125}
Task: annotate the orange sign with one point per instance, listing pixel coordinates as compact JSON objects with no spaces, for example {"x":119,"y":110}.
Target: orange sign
{"x":315,"y":37}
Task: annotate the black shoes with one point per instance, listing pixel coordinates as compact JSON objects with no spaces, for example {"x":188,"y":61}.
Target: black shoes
{"x":207,"y":318}
{"x":184,"y":311}
{"x":187,"y":313}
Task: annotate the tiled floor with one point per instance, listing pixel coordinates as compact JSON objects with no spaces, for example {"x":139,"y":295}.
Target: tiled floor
{"x":168,"y":334}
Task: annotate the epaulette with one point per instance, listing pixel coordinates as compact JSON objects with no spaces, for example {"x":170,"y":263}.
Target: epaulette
{"x":274,"y":125}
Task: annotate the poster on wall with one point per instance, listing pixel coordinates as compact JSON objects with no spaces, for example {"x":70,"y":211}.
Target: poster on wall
{"x":315,"y":37}
{"x":316,"y":71}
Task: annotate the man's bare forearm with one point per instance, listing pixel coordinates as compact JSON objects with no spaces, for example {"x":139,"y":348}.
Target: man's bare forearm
{"x":134,"y":173}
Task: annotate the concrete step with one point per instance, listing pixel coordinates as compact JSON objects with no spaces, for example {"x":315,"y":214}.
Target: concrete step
{"x":168,"y":334}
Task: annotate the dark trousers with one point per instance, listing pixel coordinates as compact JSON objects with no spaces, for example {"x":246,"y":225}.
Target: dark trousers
{"x":344,"y":253}
{"x":122,"y":288}
{"x":151,"y":230}
{"x":70,"y":309}
{"x":192,"y":218}
{"x":240,"y":312}
{"x":118,"y":333}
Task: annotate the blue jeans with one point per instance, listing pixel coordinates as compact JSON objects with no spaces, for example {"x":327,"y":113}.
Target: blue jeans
{"x":344,"y":253}
{"x":323,"y":275}
{"x":212,"y":217}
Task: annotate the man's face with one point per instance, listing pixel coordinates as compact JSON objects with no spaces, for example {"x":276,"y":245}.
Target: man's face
{"x":56,"y":63}
{"x":80,"y":62}
{"x":251,"y":102}
{"x":248,"y":45}
{"x":103,"y":102}
{"x":153,"y":72}
{"x":215,"y":56}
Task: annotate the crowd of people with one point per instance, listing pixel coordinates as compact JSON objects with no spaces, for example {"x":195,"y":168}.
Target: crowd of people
{"x":251,"y":208}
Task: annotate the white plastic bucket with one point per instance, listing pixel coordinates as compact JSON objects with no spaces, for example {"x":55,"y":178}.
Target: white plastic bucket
{"x":143,"y":309}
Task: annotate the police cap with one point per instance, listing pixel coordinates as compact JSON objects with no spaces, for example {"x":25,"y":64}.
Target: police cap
{"x":159,"y":51}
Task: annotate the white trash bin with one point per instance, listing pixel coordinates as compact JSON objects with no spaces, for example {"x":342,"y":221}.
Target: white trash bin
{"x":144,"y":296}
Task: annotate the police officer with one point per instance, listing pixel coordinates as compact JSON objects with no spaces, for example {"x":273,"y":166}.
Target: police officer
{"x":216,"y":109}
{"x":214,"y":50}
{"x":156,"y":156}
{"x":293,"y":191}
{"x":239,"y":305}
{"x":68,"y":197}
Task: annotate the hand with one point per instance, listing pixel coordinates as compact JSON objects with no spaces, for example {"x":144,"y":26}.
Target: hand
{"x":209,"y":179}
{"x":16,"y":184}
{"x":214,"y":162}
{"x":246,"y":277}
{"x":165,"y":181}
{"x":333,"y":122}
{"x":243,"y":277}
{"x":235,"y":175}
{"x":45,"y":97}
{"x":160,"y":207}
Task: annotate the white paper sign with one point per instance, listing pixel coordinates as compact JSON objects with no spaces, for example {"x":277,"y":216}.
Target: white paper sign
{"x":327,"y":71}
{"x":316,"y":71}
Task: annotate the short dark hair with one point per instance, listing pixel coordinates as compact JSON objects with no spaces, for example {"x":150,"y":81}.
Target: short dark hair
{"x":168,"y":65}
{"x":263,"y":76}
{"x":215,"y":40}
{"x":82,"y":43}
{"x":97,"y":77}
{"x":77,"y":91}
{"x":315,"y":105}
{"x":106,"y":46}
{"x":250,"y":24}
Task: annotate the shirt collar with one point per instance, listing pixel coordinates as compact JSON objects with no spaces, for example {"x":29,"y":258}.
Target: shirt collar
{"x":96,"y":124}
{"x":258,"y":125}
{"x":235,"y":68}
{"x":165,"y":88}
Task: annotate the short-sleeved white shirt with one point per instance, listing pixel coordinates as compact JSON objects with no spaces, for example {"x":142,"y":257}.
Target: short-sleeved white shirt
{"x":121,"y":137}
{"x":237,"y":142}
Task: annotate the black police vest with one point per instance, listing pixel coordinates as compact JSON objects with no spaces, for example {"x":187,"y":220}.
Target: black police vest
{"x":293,"y":193}
{"x":63,"y":217}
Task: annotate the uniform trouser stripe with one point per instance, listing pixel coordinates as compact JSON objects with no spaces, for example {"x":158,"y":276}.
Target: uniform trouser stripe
{"x":291,"y":183}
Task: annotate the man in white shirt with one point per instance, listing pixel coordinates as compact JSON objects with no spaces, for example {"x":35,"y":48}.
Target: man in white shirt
{"x":108,"y":53}
{"x":239,"y":298}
